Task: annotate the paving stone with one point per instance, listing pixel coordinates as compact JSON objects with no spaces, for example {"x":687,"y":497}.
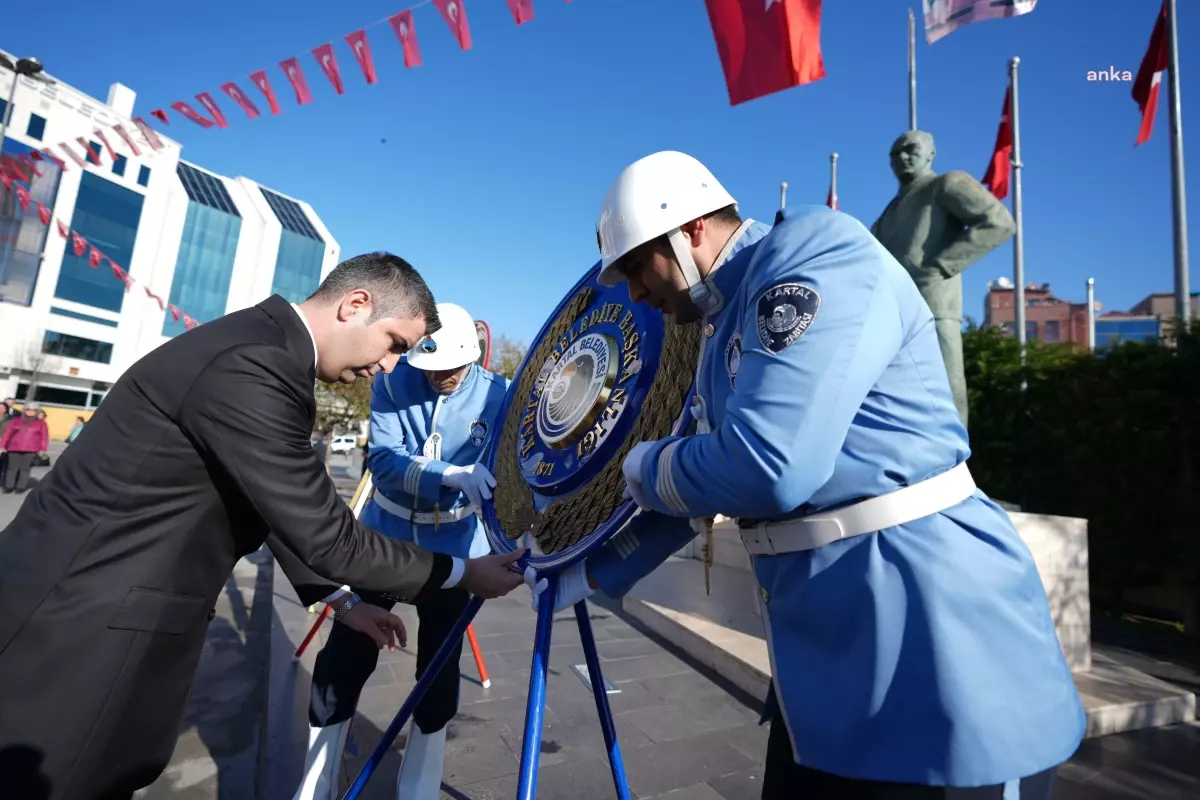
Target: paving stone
{"x":699,"y":791}
{"x":663,"y":723}
{"x":641,"y":668}
{"x":684,"y":762}
{"x":744,"y":785}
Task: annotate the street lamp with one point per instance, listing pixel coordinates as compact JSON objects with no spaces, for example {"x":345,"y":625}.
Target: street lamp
{"x":27,"y":67}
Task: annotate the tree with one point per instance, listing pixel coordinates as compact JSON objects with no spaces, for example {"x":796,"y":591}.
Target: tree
{"x":506,"y":356}
{"x":31,"y":358}
{"x":343,"y":406}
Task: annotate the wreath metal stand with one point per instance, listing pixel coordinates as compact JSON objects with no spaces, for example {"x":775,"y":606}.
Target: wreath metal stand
{"x":535,"y":706}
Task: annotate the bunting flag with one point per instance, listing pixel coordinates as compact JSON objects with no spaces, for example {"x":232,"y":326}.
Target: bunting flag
{"x":174,"y":312}
{"x":264,"y":85}
{"x":192,"y":114}
{"x":120,"y":129}
{"x":79,"y":162}
{"x":57,"y":161}
{"x":95,"y":257}
{"x":112,"y":154}
{"x":944,"y":17}
{"x":79,"y":243}
{"x":148,"y":133}
{"x":32,"y":164}
{"x":239,"y":97}
{"x":91,"y":151}
{"x":63,"y":230}
{"x":121,"y":274}
{"x":362,"y":51}
{"x":522,"y":10}
{"x":455,"y":14}
{"x":160,"y":115}
{"x":406,"y":32}
{"x":767,"y":50}
{"x":6,"y":179}
{"x":1000,"y":167}
{"x":1149,"y":78}
{"x":161,"y":305}
{"x":291,"y":68}
{"x":23,"y":196}
{"x":43,"y":213}
{"x":328,"y":63}
{"x":831,"y":198}
{"x":210,"y":105}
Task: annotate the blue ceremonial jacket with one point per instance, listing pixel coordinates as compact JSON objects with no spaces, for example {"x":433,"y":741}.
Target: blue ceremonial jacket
{"x":924,"y":653}
{"x":405,"y":412}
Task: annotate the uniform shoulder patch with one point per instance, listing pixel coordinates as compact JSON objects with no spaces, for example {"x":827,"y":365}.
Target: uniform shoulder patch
{"x":785,"y":313}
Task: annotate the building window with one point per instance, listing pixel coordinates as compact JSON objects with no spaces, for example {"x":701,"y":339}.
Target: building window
{"x":290,"y":215}
{"x":201,"y":187}
{"x":119,"y":164}
{"x":143,"y":175}
{"x":204,"y":265}
{"x":1030,"y":331}
{"x":53,"y":395}
{"x":93,"y":153}
{"x":68,"y":346}
{"x":297,"y":267}
{"x":1052,"y":332}
{"x":36,"y":129}
{"x":22,"y":234}
{"x":3,"y":109}
{"x":107,"y":215}
{"x":65,"y":312}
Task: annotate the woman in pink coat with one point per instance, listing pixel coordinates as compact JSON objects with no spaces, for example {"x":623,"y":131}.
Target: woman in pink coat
{"x":24,"y":438}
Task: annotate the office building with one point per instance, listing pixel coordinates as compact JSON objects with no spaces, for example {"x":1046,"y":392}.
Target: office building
{"x":204,"y":243}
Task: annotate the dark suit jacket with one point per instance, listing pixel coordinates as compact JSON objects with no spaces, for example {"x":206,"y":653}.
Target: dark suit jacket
{"x":110,"y":569}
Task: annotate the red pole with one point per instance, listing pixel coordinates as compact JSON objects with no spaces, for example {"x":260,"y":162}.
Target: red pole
{"x":483,"y":676}
{"x":316,"y":626}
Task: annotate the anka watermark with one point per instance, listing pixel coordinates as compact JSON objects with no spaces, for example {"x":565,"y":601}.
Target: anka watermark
{"x":1110,"y":74}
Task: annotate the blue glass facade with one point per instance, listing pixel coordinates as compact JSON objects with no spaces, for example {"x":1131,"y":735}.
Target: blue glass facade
{"x":22,"y":234}
{"x":107,"y":215}
{"x":1123,"y":329}
{"x":301,"y":251}
{"x":204,"y":266}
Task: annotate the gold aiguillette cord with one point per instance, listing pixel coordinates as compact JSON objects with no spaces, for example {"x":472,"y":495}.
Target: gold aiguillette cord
{"x":707,"y":551}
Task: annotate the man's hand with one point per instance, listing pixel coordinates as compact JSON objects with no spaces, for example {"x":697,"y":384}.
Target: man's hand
{"x":632,"y":470}
{"x":382,"y":626}
{"x":492,"y":576}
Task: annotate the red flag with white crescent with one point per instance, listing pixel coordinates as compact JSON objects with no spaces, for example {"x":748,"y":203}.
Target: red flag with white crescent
{"x":79,"y":243}
{"x":63,"y":230}
{"x":485,"y":343}
{"x":58,"y":161}
{"x":522,"y":10}
{"x":1148,"y":82}
{"x":174,"y":312}
{"x":192,"y":114}
{"x":99,"y":134}
{"x":79,"y":162}
{"x":264,"y":85}
{"x":766,"y":46}
{"x":1000,"y":167}
{"x":43,"y":213}
{"x":148,"y":132}
{"x":207,"y":101}
{"x":238,"y":96}
{"x":455,"y":14}
{"x":95,"y":257}
{"x":362,"y":51}
{"x":291,"y":68}
{"x":328,"y":63}
{"x":120,"y":129}
{"x":23,"y":196}
{"x":161,"y":116}
{"x":406,"y":32}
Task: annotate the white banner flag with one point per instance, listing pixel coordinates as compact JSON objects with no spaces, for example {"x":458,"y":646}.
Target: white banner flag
{"x":943,"y":17}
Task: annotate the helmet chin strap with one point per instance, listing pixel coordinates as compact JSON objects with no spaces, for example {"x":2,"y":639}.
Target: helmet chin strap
{"x":698,"y":290}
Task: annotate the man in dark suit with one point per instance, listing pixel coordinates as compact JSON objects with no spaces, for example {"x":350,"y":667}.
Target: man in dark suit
{"x":199,"y":454}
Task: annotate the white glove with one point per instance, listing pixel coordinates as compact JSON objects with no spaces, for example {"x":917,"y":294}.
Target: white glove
{"x":632,"y":469}
{"x":572,"y":586}
{"x":475,"y":481}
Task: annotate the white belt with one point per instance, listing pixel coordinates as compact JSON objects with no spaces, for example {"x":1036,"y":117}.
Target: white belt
{"x":423,"y":517}
{"x":868,"y":516}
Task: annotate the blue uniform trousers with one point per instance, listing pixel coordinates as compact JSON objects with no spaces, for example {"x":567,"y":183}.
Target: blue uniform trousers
{"x":349,"y":657}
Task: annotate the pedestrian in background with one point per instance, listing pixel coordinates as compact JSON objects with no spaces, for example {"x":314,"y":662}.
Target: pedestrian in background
{"x":23,"y":439}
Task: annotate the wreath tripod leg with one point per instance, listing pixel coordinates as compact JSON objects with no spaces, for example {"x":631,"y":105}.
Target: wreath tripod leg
{"x":607,"y":724}
{"x":535,"y":705}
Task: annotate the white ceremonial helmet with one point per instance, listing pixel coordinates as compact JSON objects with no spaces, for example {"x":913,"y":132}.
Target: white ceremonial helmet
{"x":454,"y":345}
{"x":652,"y":196}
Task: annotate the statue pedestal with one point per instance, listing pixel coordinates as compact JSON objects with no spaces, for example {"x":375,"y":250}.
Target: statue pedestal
{"x":724,"y":630}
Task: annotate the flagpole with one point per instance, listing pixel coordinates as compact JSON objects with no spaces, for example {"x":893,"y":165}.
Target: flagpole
{"x":833,"y":176}
{"x":1183,"y":300}
{"x":1018,"y":238}
{"x":782,"y":195}
{"x":912,"y":71}
{"x":1091,"y":314}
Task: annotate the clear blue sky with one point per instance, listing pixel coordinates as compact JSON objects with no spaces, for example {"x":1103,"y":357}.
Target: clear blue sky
{"x":497,"y":158}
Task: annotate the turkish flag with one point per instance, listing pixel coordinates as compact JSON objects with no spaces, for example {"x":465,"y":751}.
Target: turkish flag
{"x":174,"y":312}
{"x":455,"y":14}
{"x":79,"y":243}
{"x":63,"y":230}
{"x":238,"y":96}
{"x":95,"y":257}
{"x":1149,"y":77}
{"x":14,"y":167}
{"x":328,"y":63}
{"x":264,"y":86}
{"x":996,"y":177}
{"x":120,"y":129}
{"x":159,"y":114}
{"x":767,"y":46}
{"x":207,"y":101}
{"x":43,"y":213}
{"x":188,"y":322}
{"x":58,"y":161}
{"x":121,"y":274}
{"x":406,"y":32}
{"x":161,"y":305}
{"x":362,"y":51}
{"x":148,"y":132}
{"x":79,"y":162}
{"x":291,"y":68}
{"x":192,"y":114}
{"x":522,"y":10}
{"x":86,"y":145}
{"x":29,"y":162}
{"x":831,"y":198}
{"x":23,"y":196}
{"x":6,"y":179}
{"x":99,"y":134}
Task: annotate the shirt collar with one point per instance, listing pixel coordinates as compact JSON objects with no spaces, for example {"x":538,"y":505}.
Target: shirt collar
{"x":728,"y":270}
{"x":307,"y":327}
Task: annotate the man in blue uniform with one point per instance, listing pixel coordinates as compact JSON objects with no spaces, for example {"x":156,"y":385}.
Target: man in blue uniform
{"x":430,"y":420}
{"x":911,"y":643}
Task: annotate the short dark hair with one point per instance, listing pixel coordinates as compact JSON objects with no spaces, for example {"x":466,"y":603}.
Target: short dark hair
{"x":728,"y":215}
{"x":396,"y":288}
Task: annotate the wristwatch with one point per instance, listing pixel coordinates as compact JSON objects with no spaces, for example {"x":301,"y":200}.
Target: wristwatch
{"x":350,"y":603}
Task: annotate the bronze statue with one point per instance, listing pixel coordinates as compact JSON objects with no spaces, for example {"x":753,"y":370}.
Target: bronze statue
{"x":937,"y":226}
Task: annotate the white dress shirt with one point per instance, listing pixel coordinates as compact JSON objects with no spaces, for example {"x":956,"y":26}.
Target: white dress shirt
{"x":460,"y":566}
